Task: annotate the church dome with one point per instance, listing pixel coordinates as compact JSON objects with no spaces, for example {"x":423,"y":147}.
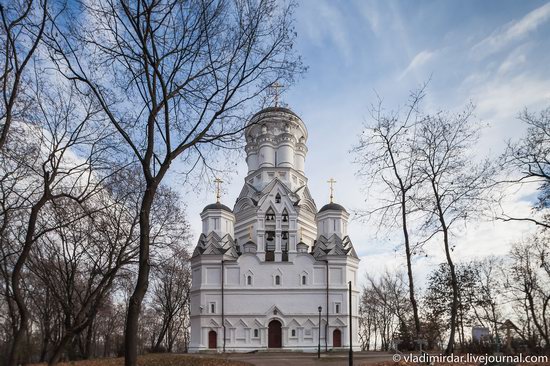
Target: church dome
{"x":217,"y":206}
{"x":332,"y":207}
{"x":250,"y":247}
{"x":302,"y":247}
{"x":272,"y":110}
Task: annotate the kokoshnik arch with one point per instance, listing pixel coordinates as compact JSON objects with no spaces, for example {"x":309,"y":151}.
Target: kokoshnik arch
{"x":261,"y":270}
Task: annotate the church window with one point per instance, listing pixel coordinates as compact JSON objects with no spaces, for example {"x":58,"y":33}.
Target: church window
{"x":270,"y":215}
{"x":212,"y":308}
{"x":256,"y":333}
{"x":337,"y":308}
{"x":249,"y":280}
{"x":277,"y":280}
{"x":270,"y":246}
{"x":293,"y":333}
{"x":278,"y":198}
{"x":304,"y":280}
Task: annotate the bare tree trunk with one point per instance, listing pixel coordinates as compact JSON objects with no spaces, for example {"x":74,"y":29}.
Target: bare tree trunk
{"x":454,"y":283}
{"x":58,"y":350}
{"x":134,"y":307}
{"x":412,"y":296}
{"x":16,"y":283}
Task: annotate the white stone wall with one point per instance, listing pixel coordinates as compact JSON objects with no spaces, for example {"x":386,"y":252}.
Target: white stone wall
{"x":250,"y":307}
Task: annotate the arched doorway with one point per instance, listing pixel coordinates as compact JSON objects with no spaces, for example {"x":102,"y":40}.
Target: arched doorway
{"x":336,"y":338}
{"x":212,"y":339}
{"x":274,"y":337}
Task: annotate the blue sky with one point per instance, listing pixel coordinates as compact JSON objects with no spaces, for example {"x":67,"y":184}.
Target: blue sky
{"x":493,"y":53}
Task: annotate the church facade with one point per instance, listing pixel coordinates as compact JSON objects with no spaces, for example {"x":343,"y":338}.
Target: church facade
{"x":273,"y":271}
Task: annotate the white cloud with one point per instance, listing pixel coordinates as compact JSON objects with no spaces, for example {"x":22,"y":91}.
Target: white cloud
{"x":512,"y":31}
{"x":419,"y":60}
{"x":513,"y":61}
{"x":499,"y":99}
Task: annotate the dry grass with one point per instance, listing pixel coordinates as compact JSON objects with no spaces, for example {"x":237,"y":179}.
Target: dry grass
{"x":159,"y":360}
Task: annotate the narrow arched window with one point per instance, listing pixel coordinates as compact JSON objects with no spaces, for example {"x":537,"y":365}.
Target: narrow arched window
{"x":304,"y":280}
{"x":277,"y":280}
{"x":270,"y":215}
{"x":277,"y":198}
{"x":249,"y":280}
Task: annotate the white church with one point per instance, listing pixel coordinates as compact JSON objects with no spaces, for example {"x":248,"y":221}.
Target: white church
{"x":273,"y":271}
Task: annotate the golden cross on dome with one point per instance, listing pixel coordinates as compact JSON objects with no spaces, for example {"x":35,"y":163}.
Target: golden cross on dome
{"x":331,"y":181}
{"x":218,"y":182}
{"x":276,"y":86}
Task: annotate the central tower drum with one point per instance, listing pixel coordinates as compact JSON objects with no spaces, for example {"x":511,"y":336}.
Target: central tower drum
{"x":275,"y":209}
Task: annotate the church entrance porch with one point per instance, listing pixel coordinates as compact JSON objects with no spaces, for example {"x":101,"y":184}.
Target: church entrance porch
{"x":274,"y":338}
{"x":212,"y":340}
{"x":336,"y":338}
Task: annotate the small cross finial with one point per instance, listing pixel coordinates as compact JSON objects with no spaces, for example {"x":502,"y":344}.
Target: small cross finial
{"x":331,"y":181}
{"x":250,"y":232}
{"x":301,"y":233}
{"x":218,"y":182}
{"x":276,"y":86}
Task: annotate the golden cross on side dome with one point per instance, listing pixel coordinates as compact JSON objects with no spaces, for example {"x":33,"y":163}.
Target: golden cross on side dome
{"x":331,"y":181}
{"x":218,"y":182}
{"x":276,"y":86}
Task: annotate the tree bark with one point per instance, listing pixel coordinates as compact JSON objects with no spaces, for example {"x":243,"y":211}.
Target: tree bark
{"x":454,"y":283}
{"x":412,"y":297}
{"x":16,"y":283}
{"x":134,"y":307}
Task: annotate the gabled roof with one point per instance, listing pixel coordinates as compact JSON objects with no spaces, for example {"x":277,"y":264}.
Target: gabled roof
{"x":333,"y":246}
{"x":213,"y":244}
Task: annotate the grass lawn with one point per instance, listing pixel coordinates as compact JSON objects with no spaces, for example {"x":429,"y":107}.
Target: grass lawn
{"x":159,"y":359}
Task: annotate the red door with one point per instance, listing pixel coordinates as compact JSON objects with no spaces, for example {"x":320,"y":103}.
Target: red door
{"x":274,"y":337}
{"x":336,"y":338}
{"x":212,"y":339}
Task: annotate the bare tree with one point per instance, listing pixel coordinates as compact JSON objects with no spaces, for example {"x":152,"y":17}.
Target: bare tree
{"x":170,"y":297}
{"x":173,"y":78}
{"x":67,"y":153}
{"x":385,"y":154}
{"x":439,"y":296}
{"x":385,"y":305}
{"x":529,"y":283}
{"x":488,"y":306}
{"x":455,"y":184}
{"x":22,"y":28}
{"x":528,"y":161}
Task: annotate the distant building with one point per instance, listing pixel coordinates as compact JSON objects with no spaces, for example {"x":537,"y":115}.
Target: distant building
{"x":480,"y":333}
{"x":260,"y":271}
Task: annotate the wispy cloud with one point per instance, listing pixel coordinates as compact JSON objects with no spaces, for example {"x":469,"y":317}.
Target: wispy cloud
{"x":511,"y":32}
{"x":419,"y":60}
{"x":327,"y":24}
{"x":369,"y":11}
